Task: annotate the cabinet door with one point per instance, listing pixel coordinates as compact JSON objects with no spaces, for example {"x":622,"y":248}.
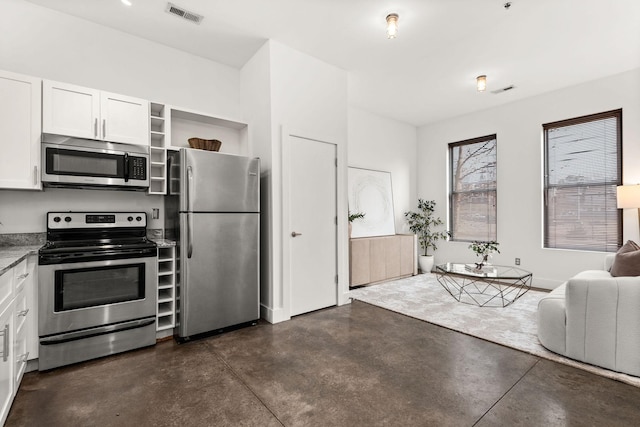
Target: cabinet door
{"x":70,"y":110}
{"x":378,"y":267}
{"x":392,"y":257}
{"x":124,"y":119}
{"x":19,"y":131}
{"x":20,"y":354}
{"x":360,"y":254}
{"x":407,"y":255}
{"x":6,"y":362}
{"x":31,"y":290}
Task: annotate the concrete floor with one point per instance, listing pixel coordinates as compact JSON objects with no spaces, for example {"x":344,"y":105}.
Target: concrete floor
{"x":356,"y":365}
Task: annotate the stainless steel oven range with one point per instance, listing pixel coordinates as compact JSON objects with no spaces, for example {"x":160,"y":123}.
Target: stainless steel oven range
{"x":97,"y":286}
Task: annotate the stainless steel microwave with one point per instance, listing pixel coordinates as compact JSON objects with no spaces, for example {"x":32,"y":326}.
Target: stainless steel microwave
{"x":83,"y":163}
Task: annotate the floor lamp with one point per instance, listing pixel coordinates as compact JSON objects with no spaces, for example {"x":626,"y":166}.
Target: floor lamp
{"x":629,"y":197}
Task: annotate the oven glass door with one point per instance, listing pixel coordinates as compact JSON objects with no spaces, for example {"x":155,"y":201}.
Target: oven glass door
{"x":80,"y":295}
{"x":90,"y":287}
{"x":84,"y":163}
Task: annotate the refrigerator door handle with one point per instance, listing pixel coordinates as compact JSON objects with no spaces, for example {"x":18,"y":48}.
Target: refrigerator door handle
{"x":188,"y":189}
{"x":189,"y":211}
{"x":189,"y":235}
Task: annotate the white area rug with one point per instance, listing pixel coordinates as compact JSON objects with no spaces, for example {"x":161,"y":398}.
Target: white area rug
{"x":422,"y":297}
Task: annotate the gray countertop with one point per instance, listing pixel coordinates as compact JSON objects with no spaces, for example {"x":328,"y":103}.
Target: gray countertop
{"x":163,"y":243}
{"x":10,"y":256}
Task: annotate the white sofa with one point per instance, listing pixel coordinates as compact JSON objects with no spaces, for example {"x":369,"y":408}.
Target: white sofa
{"x":594,"y":318}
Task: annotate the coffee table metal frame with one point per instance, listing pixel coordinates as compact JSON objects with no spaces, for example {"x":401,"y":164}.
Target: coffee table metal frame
{"x":493,"y":286}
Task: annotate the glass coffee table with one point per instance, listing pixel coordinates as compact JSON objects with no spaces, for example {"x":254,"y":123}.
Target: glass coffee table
{"x":493,"y":286}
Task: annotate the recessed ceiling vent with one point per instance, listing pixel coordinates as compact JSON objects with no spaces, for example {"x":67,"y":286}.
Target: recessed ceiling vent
{"x":503,"y":90}
{"x":183,"y":13}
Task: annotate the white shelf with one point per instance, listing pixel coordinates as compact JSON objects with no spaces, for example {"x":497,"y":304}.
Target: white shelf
{"x":185,"y":124}
{"x":166,"y":293}
{"x":158,"y":128}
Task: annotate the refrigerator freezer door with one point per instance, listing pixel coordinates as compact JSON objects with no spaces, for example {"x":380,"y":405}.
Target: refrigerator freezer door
{"x":214,"y":182}
{"x":219,"y":281}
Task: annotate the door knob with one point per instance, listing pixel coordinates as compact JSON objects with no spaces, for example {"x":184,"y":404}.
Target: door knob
{"x":294,"y":234}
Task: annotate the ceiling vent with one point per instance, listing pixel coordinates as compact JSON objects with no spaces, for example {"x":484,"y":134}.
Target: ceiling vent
{"x":183,"y":13}
{"x":504,"y":89}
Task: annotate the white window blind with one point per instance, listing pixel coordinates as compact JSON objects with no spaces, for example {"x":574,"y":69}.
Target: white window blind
{"x":472,"y":199}
{"x":583,"y":166}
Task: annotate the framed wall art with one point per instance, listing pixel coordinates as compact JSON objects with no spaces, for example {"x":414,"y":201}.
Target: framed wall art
{"x":370,"y":193}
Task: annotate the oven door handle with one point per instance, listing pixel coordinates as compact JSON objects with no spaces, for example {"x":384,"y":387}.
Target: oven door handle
{"x":93,"y":332}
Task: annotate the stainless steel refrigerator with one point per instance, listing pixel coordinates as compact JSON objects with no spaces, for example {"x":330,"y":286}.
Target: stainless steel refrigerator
{"x":213,"y":211}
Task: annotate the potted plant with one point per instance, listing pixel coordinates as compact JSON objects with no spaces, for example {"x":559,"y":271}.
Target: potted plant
{"x":353,"y":217}
{"x":483,"y":250}
{"x":422,"y":223}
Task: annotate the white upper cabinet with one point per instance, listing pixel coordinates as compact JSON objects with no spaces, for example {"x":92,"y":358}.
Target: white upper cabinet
{"x":88,"y":113}
{"x":70,"y":110}
{"x":19,"y":131}
{"x":124,"y":119}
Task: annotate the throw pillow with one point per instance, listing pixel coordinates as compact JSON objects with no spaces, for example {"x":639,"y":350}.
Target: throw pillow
{"x":627,"y":260}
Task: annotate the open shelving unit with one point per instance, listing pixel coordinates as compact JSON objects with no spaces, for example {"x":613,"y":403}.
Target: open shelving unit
{"x":165,"y":316}
{"x":187,"y":124}
{"x":171,"y":128}
{"x":159,"y":126}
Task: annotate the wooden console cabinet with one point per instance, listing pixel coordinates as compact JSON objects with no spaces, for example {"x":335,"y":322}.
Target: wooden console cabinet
{"x":376,"y":259}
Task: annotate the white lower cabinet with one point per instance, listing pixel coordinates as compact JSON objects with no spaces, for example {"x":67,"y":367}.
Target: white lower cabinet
{"x":7,"y":383}
{"x":16,"y":324}
{"x":20,"y":353}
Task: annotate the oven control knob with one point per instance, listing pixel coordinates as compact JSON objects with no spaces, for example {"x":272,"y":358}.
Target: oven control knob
{"x":138,"y":218}
{"x":67,"y":219}
{"x":130,"y":219}
{"x":56,"y":219}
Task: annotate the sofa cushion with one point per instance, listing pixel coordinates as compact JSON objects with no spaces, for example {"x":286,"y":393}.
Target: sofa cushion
{"x":627,"y":260}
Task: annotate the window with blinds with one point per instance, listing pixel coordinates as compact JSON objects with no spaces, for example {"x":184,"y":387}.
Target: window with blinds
{"x":472,"y":198}
{"x":583,"y":166}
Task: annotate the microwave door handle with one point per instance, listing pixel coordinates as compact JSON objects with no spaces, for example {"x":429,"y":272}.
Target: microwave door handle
{"x":126,"y":167}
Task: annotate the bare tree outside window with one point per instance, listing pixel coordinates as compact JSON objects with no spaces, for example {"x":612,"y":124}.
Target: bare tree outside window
{"x":473,"y":189}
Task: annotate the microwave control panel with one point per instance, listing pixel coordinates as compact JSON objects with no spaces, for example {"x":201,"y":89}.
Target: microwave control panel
{"x":138,"y":168}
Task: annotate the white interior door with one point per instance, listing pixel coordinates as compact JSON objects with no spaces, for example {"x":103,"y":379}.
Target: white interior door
{"x":312,"y":229}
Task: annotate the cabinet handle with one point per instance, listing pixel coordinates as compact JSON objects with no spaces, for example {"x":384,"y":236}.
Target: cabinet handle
{"x":35,"y":175}
{"x":104,"y":128}
{"x":95,"y":128}
{"x":23,"y":276}
{"x":23,"y":357}
{"x":23,"y":312}
{"x":5,"y":345}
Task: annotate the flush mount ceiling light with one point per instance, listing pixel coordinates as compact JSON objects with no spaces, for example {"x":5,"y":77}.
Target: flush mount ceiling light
{"x":481,"y":83}
{"x":126,"y":2}
{"x":392,"y":25}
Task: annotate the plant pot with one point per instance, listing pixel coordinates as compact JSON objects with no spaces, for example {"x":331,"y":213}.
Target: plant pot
{"x":426,"y":263}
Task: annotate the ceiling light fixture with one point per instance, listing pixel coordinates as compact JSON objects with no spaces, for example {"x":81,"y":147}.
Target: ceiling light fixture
{"x":481,"y":83}
{"x":392,"y":25}
{"x":126,"y":2}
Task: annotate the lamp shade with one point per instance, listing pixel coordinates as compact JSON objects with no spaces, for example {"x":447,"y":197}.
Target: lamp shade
{"x":628,"y":196}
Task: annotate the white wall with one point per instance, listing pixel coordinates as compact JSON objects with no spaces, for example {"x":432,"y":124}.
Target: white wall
{"x":380,"y":143}
{"x":307,"y":95}
{"x":43,"y":43}
{"x":518,"y":126}
{"x":255,"y":95}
